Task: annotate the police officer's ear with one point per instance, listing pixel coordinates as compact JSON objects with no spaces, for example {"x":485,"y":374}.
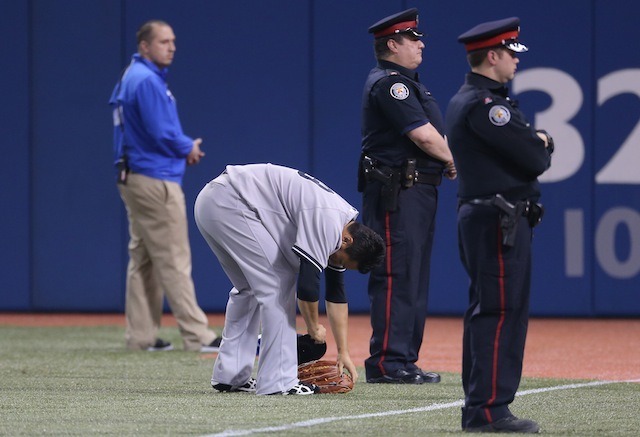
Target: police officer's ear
{"x":493,"y":56}
{"x":392,"y":44}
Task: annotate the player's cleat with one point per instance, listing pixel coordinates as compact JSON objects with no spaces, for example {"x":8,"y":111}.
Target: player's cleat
{"x":214,"y":346}
{"x":400,"y":376}
{"x":248,"y":387}
{"x":160,"y":345}
{"x":302,"y":388}
{"x":508,"y":424}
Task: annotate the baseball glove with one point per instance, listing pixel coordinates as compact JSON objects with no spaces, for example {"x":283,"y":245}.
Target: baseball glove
{"x":325,"y":375}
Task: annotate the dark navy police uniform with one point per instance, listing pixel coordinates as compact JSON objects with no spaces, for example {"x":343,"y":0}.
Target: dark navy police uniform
{"x":394,"y":103}
{"x":497,"y":152}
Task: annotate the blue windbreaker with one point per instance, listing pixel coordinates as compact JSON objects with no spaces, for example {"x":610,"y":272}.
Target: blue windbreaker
{"x":152,"y":138}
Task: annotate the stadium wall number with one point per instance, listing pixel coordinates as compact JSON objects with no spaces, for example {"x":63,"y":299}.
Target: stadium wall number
{"x":566,"y":100}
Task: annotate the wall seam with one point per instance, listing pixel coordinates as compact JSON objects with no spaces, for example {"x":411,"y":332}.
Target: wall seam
{"x":30,"y":154}
{"x":311,"y":78}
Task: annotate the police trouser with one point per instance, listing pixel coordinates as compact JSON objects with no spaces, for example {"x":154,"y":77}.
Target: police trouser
{"x":495,"y":323}
{"x":399,"y":288}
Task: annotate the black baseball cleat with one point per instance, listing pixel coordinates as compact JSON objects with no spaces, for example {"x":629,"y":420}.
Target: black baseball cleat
{"x":300,"y":389}
{"x":508,"y":424}
{"x":248,"y":387}
{"x":400,"y":376}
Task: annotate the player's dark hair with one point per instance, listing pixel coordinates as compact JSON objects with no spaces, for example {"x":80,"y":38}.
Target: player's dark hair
{"x":367,"y":248}
{"x":145,"y":32}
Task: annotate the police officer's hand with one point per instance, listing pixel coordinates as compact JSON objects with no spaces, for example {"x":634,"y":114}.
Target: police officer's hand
{"x":450,"y":170}
{"x":548,"y":140}
{"x":196,"y":154}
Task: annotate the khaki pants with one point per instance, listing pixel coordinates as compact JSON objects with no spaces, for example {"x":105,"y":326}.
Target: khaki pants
{"x":159,"y":264}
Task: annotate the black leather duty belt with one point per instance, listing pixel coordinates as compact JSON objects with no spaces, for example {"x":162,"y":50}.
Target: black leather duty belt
{"x":533,"y":211}
{"x":427,"y":178}
{"x":406,"y":175}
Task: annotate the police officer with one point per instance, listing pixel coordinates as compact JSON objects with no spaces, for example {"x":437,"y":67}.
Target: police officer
{"x":404,"y":155}
{"x":499,"y":157}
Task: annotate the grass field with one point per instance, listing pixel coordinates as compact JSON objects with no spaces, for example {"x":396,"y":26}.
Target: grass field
{"x":81,"y":381}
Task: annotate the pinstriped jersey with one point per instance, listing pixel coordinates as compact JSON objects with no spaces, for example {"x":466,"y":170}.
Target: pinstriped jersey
{"x":303,"y":216}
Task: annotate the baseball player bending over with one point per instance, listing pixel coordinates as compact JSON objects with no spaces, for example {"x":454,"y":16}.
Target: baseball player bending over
{"x":271,"y":228}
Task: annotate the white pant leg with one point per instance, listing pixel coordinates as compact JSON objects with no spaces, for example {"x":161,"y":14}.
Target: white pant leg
{"x":235,"y":360}
{"x":261,"y":275}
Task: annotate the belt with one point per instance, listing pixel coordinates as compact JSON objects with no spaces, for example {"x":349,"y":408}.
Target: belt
{"x":407,"y":177}
{"x":427,"y":178}
{"x":491,"y":202}
{"x":533,"y":211}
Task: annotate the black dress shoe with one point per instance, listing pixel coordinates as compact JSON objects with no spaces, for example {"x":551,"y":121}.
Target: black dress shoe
{"x":428,"y":377}
{"x":508,"y":424}
{"x":400,"y":376}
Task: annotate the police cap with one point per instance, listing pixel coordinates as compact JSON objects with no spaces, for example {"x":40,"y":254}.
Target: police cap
{"x":499,"y":33}
{"x":402,"y":22}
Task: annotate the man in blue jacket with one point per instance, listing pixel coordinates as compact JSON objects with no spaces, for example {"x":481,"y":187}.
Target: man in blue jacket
{"x":151,"y":153}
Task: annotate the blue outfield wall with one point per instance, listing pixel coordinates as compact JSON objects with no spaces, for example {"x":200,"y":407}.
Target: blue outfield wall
{"x":281,"y":81}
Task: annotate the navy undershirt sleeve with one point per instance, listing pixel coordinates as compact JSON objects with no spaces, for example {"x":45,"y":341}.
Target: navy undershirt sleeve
{"x":334,"y":283}
{"x":308,"y":281}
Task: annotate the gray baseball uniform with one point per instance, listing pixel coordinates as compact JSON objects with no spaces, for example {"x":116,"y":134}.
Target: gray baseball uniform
{"x":259,"y":220}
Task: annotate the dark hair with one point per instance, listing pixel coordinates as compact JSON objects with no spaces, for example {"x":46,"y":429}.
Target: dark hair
{"x":380,"y":48}
{"x":477,"y":57}
{"x":145,"y":32}
{"x":367,"y":249}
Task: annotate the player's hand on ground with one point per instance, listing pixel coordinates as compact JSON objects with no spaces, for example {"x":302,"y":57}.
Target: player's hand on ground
{"x":345,"y":363}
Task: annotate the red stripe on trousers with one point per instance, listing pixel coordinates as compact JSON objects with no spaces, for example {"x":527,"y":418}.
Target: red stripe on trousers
{"x":385,"y":342}
{"x":496,"y":340}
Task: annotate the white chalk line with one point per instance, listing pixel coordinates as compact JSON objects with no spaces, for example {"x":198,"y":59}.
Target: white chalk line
{"x":432,"y":407}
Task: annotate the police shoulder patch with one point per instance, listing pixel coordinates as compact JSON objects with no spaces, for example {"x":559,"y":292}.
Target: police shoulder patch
{"x":499,"y":115}
{"x":399,"y":91}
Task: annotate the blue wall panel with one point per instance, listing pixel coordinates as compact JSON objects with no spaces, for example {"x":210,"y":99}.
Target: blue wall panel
{"x":281,"y":81}
{"x":616,"y":232}
{"x":77,"y":255}
{"x":14,"y":177}
{"x":241,"y":78}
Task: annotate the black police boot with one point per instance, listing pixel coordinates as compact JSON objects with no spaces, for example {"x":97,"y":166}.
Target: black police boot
{"x":428,"y":377}
{"x":508,"y":424}
{"x":400,"y":376}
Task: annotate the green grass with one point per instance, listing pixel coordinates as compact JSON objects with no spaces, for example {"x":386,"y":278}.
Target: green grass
{"x":81,"y":381}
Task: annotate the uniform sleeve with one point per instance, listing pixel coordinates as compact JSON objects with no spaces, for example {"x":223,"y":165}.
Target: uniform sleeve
{"x":505,"y":130}
{"x":334,"y":285}
{"x":398,"y":101}
{"x":308,"y":282}
{"x":319,"y":234}
{"x":159,"y":114}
